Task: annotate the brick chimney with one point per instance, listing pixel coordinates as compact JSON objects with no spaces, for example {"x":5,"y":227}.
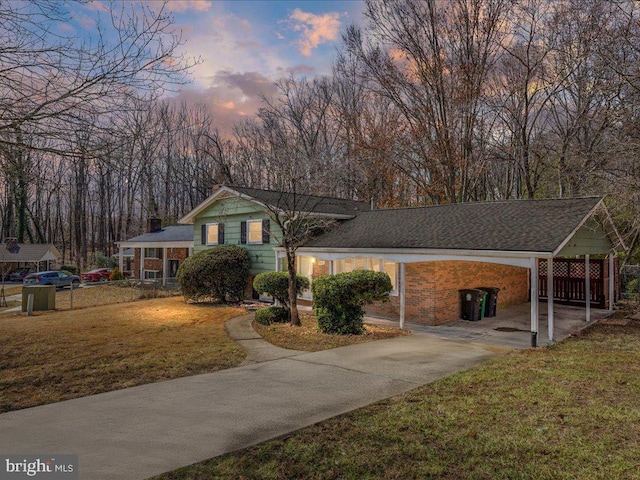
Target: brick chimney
{"x":154,"y":225}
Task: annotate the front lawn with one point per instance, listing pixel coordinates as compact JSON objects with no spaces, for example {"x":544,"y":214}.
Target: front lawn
{"x":568,"y":412}
{"x":55,"y":356}
{"x":310,"y":339}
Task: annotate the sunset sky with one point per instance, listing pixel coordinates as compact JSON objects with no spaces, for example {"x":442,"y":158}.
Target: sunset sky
{"x":246,"y":45}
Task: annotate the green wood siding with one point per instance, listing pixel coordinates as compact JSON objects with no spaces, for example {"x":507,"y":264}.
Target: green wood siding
{"x":231,"y":212}
{"x":590,"y":238}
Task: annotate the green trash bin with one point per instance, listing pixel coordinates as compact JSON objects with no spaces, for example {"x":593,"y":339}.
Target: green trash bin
{"x":44,"y":297}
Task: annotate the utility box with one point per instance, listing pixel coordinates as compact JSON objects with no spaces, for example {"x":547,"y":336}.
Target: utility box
{"x":44,"y":297}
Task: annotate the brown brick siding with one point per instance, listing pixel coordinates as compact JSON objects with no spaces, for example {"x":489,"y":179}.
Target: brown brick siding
{"x":432,"y":297}
{"x":179,"y":254}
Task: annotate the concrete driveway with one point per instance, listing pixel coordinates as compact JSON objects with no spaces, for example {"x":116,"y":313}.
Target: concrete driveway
{"x":143,"y":431}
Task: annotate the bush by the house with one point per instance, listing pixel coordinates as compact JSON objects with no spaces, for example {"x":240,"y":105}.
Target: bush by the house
{"x":116,"y":275}
{"x":338,"y":299}
{"x":100,"y":260}
{"x":71,"y":269}
{"x":276,"y":285}
{"x":217,"y":275}
{"x":269,"y":315}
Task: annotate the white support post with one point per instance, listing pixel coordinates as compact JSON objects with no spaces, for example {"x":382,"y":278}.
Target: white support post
{"x":190,"y":251}
{"x":550,"y":319}
{"x":402,"y":295}
{"x":277,"y":262}
{"x":141,"y":272}
{"x":165,"y":266}
{"x":587,"y":287}
{"x":534,"y":302}
{"x":612,"y":277}
{"x":121,"y":259}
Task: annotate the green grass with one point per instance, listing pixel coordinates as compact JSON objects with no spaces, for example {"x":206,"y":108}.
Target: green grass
{"x":568,"y":412}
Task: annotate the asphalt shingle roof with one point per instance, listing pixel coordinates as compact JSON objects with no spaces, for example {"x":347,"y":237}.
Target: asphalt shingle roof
{"x":304,"y":203}
{"x":28,"y":252}
{"x":173,"y":233}
{"x":512,"y":225}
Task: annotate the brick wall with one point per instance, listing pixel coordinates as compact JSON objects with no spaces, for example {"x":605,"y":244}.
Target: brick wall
{"x":179,"y":254}
{"x":431,"y":293}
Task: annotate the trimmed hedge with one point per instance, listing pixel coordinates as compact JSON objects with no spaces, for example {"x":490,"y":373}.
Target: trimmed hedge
{"x":338,"y":299}
{"x":269,"y":315}
{"x":276,"y":284}
{"x":217,"y":275}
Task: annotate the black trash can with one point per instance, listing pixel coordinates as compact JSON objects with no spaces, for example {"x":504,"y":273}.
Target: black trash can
{"x":471,"y":304}
{"x":491,"y":303}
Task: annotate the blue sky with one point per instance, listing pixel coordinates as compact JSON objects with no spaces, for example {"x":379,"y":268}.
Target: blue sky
{"x":246,"y":45}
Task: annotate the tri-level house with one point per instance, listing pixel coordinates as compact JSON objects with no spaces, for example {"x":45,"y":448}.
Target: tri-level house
{"x":557,"y":250}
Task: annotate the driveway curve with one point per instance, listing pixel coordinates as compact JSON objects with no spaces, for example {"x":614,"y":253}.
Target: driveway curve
{"x":142,"y":431}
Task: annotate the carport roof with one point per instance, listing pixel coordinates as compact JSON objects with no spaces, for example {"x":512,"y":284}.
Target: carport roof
{"x":508,"y":226}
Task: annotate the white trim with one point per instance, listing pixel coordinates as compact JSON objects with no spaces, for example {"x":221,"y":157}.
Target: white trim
{"x":550,"y":313}
{"x":534,"y":297}
{"x":587,"y":287}
{"x":401,"y":287}
{"x":165,"y":266}
{"x":612,"y":276}
{"x":141,"y":269}
{"x":404,"y":256}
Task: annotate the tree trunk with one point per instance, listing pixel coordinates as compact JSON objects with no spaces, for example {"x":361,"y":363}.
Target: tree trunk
{"x":293,"y":291}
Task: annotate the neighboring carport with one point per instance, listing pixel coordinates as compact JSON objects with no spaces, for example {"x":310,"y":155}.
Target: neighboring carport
{"x":515,"y":233}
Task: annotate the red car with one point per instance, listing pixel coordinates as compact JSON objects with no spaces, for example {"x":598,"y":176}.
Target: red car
{"x":97,"y":275}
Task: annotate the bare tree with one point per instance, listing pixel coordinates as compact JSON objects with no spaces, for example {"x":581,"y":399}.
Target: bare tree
{"x":50,"y":82}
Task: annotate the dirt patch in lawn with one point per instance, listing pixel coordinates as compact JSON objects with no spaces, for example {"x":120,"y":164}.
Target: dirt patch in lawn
{"x":310,"y":339}
{"x":55,"y":356}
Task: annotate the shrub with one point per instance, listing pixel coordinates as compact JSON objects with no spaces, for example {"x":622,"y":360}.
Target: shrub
{"x":276,"y":284}
{"x":269,"y":315}
{"x":100,"y":260}
{"x":70,"y":268}
{"x":217,"y":274}
{"x":116,"y":275}
{"x":338,"y":299}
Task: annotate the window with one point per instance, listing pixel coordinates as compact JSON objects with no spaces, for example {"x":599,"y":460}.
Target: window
{"x":304,"y":266}
{"x":368,"y":263}
{"x":152,"y":253}
{"x":151,"y":274}
{"x":212,"y":234}
{"x":254,"y":231}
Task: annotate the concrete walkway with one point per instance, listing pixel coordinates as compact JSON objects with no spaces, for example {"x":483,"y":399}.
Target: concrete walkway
{"x":142,"y":431}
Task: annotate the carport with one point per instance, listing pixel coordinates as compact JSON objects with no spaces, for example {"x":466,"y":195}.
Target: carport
{"x":514,"y":233}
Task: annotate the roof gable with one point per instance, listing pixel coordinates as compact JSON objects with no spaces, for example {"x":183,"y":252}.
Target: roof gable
{"x":512,"y":226}
{"x":283,"y":201}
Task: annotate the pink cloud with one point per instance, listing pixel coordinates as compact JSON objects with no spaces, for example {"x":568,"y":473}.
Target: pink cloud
{"x":186,"y":5}
{"x":315,"y":29}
